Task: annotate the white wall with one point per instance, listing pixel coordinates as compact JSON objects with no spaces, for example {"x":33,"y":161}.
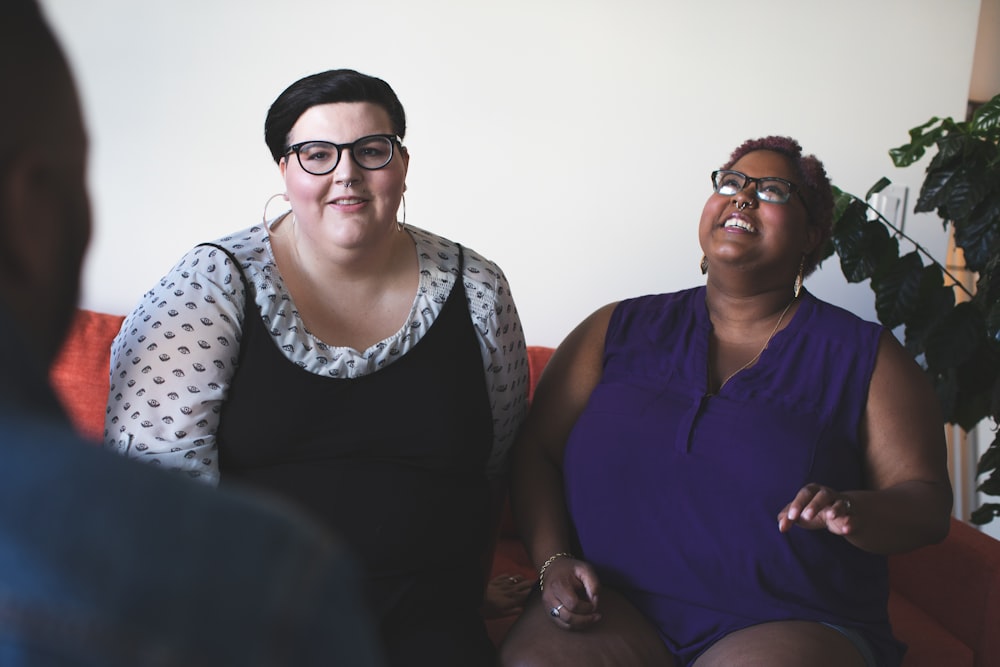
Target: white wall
{"x":985,"y":81}
{"x":569,"y":140}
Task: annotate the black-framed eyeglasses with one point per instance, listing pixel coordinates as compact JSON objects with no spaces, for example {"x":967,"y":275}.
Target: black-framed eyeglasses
{"x":771,"y":189}
{"x":321,"y":157}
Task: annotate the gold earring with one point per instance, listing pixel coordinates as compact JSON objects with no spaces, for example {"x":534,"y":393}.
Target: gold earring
{"x":704,"y":265}
{"x":797,"y":287}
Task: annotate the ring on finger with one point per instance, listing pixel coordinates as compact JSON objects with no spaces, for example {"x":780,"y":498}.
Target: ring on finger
{"x":554,"y":612}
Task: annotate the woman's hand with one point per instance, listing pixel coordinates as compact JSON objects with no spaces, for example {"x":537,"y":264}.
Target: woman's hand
{"x":906,"y":502}
{"x":816,"y":507}
{"x":570,"y":593}
{"x":505,"y":595}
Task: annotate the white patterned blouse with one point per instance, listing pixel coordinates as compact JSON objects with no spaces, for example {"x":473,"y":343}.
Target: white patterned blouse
{"x":176,"y":353}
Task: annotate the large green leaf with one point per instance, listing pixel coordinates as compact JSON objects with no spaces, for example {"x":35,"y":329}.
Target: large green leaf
{"x":879,"y":186}
{"x":990,"y":459}
{"x":952,"y":151}
{"x":848,"y":212}
{"x":956,"y":338}
{"x":975,"y":377}
{"x":987,"y":297}
{"x":848,"y":230}
{"x":988,"y":285}
{"x":897,"y":290}
{"x":995,"y":401}
{"x":978,"y":234}
{"x":968,"y":410}
{"x":993,"y":323}
{"x":985,"y":513}
{"x":946,"y":389}
{"x":986,"y":120}
{"x":921,"y":138}
{"x":991,"y":485}
{"x":957,"y":345}
{"x":842,"y":202}
{"x":966,"y":190}
{"x":862,"y":247}
{"x":936,"y":301}
{"x":933,"y":190}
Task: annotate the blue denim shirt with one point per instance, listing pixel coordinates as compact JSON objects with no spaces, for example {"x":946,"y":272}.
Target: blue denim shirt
{"x":104,"y":561}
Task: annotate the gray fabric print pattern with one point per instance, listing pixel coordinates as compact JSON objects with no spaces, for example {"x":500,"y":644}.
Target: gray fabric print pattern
{"x":174,"y":358}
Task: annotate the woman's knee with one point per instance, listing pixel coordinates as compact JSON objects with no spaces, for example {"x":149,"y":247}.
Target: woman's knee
{"x":783,"y":643}
{"x":623,"y":638}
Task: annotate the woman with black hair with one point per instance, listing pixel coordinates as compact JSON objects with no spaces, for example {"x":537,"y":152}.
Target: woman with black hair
{"x":369,"y":371}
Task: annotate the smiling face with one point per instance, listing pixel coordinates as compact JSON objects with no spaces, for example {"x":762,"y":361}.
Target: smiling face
{"x":763,"y":235}
{"x":350,"y":207}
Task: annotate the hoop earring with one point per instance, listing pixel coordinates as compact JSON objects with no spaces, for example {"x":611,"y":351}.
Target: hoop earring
{"x":704,"y":265}
{"x":268,"y":203}
{"x":797,"y":287}
{"x":401,"y":224}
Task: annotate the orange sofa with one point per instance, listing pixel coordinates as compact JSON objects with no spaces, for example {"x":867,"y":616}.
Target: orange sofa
{"x":944,"y":600}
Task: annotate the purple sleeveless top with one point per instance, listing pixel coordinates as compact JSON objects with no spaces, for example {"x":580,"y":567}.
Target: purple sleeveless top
{"x":674,"y":495}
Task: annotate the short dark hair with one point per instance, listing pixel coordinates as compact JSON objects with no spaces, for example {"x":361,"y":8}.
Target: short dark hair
{"x":814,"y":185}
{"x":336,"y":85}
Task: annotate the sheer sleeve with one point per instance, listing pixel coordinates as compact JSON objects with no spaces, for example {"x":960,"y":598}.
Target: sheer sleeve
{"x":172,"y":363}
{"x":505,"y":356}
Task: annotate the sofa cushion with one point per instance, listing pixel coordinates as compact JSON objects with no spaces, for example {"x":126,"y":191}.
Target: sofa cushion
{"x":945,"y":598}
{"x":80,"y":373}
{"x":538,"y":356}
{"x":928,"y":643}
{"x":958,"y":582}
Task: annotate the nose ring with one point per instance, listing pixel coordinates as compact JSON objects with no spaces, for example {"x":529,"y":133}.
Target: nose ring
{"x":742,"y":205}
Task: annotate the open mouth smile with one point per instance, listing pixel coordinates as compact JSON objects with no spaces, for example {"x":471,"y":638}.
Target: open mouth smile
{"x":737,"y":222}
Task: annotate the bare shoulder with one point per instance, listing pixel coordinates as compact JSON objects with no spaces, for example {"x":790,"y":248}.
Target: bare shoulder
{"x":579,"y":358}
{"x":898,"y":378}
{"x":567,"y":382}
{"x":903,"y":423}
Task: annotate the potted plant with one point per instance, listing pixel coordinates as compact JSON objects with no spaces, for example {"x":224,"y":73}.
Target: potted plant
{"x":956,"y":341}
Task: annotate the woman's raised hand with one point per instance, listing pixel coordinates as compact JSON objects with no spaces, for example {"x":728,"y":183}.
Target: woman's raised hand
{"x":816,"y":507}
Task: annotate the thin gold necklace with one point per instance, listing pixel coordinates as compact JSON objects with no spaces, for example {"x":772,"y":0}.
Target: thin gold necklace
{"x":756,"y":356}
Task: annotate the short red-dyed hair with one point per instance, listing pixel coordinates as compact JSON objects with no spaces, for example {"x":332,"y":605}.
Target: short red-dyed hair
{"x":814,"y":185}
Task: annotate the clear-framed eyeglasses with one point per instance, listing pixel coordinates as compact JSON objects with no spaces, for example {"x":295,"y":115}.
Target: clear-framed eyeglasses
{"x":321,"y":157}
{"x":769,"y":188}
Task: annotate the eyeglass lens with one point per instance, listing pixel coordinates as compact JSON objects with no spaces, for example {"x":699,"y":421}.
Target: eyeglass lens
{"x":322,"y":157}
{"x":774,"y":190}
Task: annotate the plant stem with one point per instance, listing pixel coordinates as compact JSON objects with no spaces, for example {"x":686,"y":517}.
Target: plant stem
{"x":899,"y":232}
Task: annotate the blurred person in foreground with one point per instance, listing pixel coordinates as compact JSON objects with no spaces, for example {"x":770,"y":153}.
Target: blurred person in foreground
{"x":104,"y":561}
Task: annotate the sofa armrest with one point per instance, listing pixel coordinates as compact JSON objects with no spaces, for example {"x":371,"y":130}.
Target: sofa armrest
{"x":957,"y":583}
{"x":80,"y":374}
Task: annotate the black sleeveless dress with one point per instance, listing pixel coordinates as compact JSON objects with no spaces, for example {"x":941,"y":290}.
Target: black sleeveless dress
{"x":394,"y":462}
